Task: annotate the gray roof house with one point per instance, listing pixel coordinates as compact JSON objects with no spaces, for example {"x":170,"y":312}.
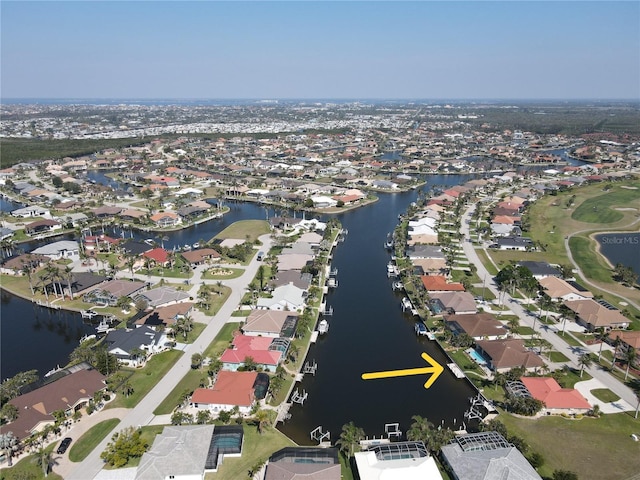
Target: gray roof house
{"x":189,"y":451}
{"x":162,"y":296}
{"x":304,"y":463}
{"x":486,"y":456}
{"x":122,"y":343}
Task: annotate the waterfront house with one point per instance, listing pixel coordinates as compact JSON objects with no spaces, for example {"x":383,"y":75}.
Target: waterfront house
{"x":230,"y":389}
{"x":504,"y":354}
{"x":287,"y":297}
{"x":31,"y":211}
{"x":59,"y":250}
{"x":69,"y":393}
{"x":167,"y":315}
{"x":161,"y":297}
{"x":189,"y":452}
{"x":166,"y":219}
{"x":271,"y":323}
{"x":14,"y":265}
{"x":396,"y":461}
{"x":596,"y":314}
{"x":42,"y":226}
{"x":479,"y":326}
{"x":110,"y":292}
{"x":304,"y":463}
{"x":438,"y":283}
{"x":454,"y":302}
{"x":107,"y":211}
{"x":200,"y":256}
{"x":123,"y":343}
{"x":557,"y":400}
{"x":299,"y":279}
{"x":266,"y":352}
{"x":157,"y":256}
{"x":486,"y":456}
{"x":293,"y":261}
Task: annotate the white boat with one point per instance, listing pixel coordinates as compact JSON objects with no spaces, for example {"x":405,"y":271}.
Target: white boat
{"x":406,"y":304}
{"x":323,"y":327}
{"x":52,"y":371}
{"x":397,"y":285}
{"x":88,"y":313}
{"x":104,"y":326}
{"x":421,"y":329}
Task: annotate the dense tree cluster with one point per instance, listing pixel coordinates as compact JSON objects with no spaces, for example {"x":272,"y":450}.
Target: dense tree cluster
{"x":124,"y":445}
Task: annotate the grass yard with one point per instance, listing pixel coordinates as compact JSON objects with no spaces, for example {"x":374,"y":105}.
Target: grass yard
{"x":558,"y":357}
{"x":599,"y":209}
{"x":256,"y":448}
{"x":219,"y":273}
{"x":596,"y":449}
{"x":216,"y":301}
{"x":90,"y":439}
{"x":605,"y":395}
{"x":144,"y":379}
{"x":243,"y":229}
{"x":28,"y":468}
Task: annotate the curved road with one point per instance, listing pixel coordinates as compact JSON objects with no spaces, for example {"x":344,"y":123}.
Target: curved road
{"x":624,"y":392}
{"x":142,"y":414}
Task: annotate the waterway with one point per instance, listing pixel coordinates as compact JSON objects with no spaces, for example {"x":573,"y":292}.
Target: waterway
{"x":368,"y":332}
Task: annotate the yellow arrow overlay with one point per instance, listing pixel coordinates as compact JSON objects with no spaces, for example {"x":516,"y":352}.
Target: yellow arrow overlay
{"x":435,"y":369}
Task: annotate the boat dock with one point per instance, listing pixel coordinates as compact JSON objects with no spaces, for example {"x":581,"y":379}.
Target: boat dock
{"x":455,"y":369}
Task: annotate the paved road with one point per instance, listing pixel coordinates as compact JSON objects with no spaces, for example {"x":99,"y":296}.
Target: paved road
{"x":625,"y":393}
{"x":142,"y":414}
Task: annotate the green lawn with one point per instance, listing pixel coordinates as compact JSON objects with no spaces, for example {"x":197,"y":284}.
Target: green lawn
{"x":256,"y":448}
{"x":218,"y":273}
{"x":596,"y":449}
{"x":216,"y":300}
{"x":144,"y":379}
{"x":605,"y":395}
{"x":245,"y":228}
{"x":567,"y":337}
{"x":90,"y":439}
{"x":557,"y":357}
{"x":598,"y":209}
{"x":28,"y":469}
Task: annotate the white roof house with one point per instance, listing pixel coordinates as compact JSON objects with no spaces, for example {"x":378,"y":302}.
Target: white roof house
{"x":321,"y":201}
{"x":288,"y":297}
{"x":397,"y":461}
{"x":61,"y":249}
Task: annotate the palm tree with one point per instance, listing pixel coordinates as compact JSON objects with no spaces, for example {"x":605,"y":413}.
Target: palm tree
{"x":421,"y":430}
{"x":584,"y":360}
{"x":8,"y":443}
{"x":127,"y":389}
{"x":68,"y":275}
{"x":263,"y":419}
{"x":630,"y":357}
{"x":514,"y":324}
{"x":603,"y":337}
{"x":130,"y":262}
{"x":350,"y":439}
{"x":27,"y":270}
{"x":617,"y":342}
{"x":44,"y":459}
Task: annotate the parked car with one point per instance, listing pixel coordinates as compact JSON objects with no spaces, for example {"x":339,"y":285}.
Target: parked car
{"x":64,"y":444}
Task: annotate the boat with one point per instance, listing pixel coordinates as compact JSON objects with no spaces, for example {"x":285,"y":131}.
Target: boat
{"x":420,"y":329}
{"x":88,"y":313}
{"x":406,"y":304}
{"x":186,"y":248}
{"x":397,"y":285}
{"x":104,"y":326}
{"x":323,"y":327}
{"x":392,"y":270}
{"x":149,"y":241}
{"x":196,"y":245}
{"x":52,"y":371}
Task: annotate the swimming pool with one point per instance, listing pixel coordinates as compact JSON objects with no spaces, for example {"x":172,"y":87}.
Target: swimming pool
{"x":476,"y":357}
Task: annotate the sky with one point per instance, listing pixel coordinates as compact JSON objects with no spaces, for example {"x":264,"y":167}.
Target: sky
{"x":325,"y":49}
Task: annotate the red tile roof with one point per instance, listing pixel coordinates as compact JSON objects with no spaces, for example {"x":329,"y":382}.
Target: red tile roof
{"x":438,"y":283}
{"x":231,"y":388}
{"x":160,"y":255}
{"x":553,"y":395}
{"x":250,"y":346}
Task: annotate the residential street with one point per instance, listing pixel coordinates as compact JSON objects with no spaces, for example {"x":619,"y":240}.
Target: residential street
{"x":142,"y":414}
{"x":628,"y":398}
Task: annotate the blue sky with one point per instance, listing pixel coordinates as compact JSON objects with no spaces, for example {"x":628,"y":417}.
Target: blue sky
{"x":358,"y":49}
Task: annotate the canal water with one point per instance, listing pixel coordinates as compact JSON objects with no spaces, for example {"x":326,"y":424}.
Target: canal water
{"x":368,"y":331}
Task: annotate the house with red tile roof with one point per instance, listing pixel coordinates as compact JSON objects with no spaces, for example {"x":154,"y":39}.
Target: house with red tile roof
{"x":166,"y":219}
{"x":438,"y":283}
{"x":158,"y":255}
{"x":555,"y":398}
{"x":230,"y":390}
{"x":266,"y":352}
